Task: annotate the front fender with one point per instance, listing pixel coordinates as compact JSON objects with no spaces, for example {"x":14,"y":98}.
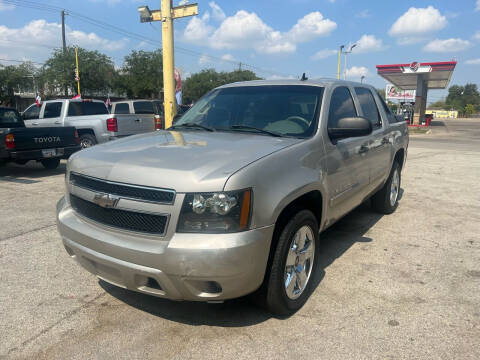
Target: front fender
{"x":280,"y":178}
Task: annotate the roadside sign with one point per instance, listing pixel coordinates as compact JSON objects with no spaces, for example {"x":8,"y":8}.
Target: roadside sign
{"x":395,"y":93}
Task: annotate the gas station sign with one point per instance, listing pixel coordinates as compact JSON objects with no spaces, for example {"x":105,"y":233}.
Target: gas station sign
{"x":393,"y":92}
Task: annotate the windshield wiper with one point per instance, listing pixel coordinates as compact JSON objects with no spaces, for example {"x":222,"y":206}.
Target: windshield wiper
{"x":246,"y":127}
{"x":192,"y":125}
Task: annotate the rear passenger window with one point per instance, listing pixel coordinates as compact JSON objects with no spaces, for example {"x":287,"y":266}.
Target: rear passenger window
{"x":143,"y":107}
{"x":369,"y":107}
{"x":122,"y":108}
{"x":391,"y":118}
{"x":341,"y":106}
{"x":52,"y":110}
{"x":84,"y":108}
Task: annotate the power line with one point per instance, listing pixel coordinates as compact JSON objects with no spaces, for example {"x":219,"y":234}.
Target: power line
{"x":129,"y":34}
{"x":21,"y":61}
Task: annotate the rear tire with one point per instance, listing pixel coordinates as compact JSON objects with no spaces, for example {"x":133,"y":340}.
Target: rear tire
{"x":50,"y":164}
{"x":87,"y":140}
{"x":295,"y":262}
{"x":385,"y":200}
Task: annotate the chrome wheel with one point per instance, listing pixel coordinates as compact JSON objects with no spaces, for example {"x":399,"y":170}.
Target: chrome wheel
{"x":86,"y":143}
{"x":394,"y":188}
{"x":299,"y":264}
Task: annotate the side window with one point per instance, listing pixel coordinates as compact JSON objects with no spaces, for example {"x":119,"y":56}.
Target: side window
{"x":143,"y":107}
{"x":391,"y":118}
{"x":369,"y":107}
{"x":33,"y":112}
{"x":52,"y":110}
{"x":341,"y":106}
{"x":122,"y":108}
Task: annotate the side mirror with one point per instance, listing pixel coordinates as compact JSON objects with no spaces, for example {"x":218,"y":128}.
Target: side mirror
{"x":350,"y":127}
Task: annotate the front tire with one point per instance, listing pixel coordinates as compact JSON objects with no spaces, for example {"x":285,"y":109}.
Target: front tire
{"x":385,"y":201}
{"x":294,"y":266}
{"x":50,"y":164}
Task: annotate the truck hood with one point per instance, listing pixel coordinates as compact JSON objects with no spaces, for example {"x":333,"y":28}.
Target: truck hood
{"x":186,"y":161}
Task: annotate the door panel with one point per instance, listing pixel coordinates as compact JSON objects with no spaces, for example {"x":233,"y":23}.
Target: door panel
{"x":31,"y":115}
{"x":380,"y":146}
{"x":51,"y":114}
{"x":348,"y":174}
{"x":145,"y":116}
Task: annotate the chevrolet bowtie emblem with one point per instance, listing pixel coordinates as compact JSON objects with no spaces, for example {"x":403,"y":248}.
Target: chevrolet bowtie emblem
{"x":106,"y":200}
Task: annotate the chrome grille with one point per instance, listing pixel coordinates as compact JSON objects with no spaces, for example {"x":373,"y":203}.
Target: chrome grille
{"x":127,"y":220}
{"x":128,"y":191}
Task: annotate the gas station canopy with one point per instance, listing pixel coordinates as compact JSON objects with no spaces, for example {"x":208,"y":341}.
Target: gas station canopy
{"x":436,"y":75}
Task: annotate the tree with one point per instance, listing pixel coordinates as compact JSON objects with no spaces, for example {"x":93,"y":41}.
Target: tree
{"x":440,"y":105}
{"x":97,"y":72}
{"x":200,"y":83}
{"x":141,"y":75}
{"x":460,"y":96}
{"x":15,"y":78}
{"x":469,"y":109}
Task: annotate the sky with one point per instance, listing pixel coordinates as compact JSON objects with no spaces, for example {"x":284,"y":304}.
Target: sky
{"x":275,"y":39}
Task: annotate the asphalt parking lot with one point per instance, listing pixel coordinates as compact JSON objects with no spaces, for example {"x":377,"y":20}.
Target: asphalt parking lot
{"x":403,"y":286}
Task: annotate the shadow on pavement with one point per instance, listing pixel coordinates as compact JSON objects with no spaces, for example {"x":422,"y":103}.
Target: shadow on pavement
{"x":241,"y":312}
{"x":26,"y":174}
{"x":437,"y":123}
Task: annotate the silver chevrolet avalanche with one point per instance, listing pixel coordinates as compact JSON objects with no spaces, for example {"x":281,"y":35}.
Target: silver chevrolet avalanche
{"x":233,"y":198}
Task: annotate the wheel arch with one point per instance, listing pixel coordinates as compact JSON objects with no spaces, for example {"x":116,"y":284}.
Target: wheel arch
{"x":86,"y":131}
{"x":312,"y":200}
{"x":400,"y":157}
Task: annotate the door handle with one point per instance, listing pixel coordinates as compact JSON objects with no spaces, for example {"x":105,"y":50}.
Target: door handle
{"x":34,"y":123}
{"x":137,"y":120}
{"x":363,"y":149}
{"x":58,"y":122}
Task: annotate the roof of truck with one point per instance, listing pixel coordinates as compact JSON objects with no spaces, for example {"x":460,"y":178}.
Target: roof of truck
{"x":323,"y":82}
{"x":71,"y":100}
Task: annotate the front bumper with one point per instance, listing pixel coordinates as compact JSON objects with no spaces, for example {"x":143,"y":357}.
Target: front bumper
{"x":37,"y":154}
{"x":201,"y":267}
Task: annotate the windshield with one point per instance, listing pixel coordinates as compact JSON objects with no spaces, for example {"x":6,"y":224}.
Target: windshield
{"x":82,"y":108}
{"x":285,"y":110}
{"x":10,"y":118}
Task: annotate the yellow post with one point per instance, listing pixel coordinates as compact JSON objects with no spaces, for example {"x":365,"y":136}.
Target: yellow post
{"x":166,"y":15}
{"x":169,"y":102}
{"x":339,"y":61}
{"x":78,"y":71}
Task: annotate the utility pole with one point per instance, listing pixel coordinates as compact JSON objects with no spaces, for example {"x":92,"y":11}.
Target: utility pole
{"x":64,"y":43}
{"x":339,"y":61}
{"x":166,"y":15}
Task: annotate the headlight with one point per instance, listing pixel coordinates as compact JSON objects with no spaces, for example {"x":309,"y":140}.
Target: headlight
{"x":221,"y":212}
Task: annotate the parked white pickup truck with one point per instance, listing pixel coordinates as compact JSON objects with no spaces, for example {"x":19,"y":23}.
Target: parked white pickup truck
{"x":147,"y":115}
{"x":91,"y":118}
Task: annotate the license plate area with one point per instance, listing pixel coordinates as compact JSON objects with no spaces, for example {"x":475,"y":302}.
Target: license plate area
{"x":48,"y":153}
